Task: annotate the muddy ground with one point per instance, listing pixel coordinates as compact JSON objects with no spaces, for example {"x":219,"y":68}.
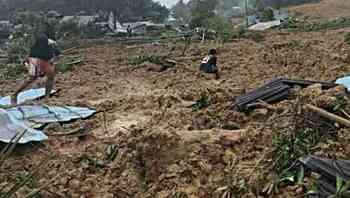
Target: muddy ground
{"x":148,"y":140}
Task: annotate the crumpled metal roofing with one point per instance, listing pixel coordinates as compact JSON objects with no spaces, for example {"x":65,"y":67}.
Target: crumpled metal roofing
{"x":345,"y":81}
{"x":329,"y":170}
{"x":47,"y":114}
{"x":24,"y":96}
{"x":265,"y":25}
{"x":15,"y":120}
{"x":10,"y":127}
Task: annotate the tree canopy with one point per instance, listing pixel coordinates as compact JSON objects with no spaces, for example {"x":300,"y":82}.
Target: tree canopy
{"x":198,"y":12}
{"x":125,"y":10}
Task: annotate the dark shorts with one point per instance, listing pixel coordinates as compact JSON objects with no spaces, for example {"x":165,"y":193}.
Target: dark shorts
{"x":208,"y":68}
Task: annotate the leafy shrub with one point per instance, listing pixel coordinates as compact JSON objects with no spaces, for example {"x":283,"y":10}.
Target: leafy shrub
{"x":68,"y":29}
{"x":222,"y":26}
{"x":347,"y":38}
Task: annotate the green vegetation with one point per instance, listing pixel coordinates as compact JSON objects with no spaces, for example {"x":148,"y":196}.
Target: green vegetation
{"x":125,"y":10}
{"x":347,"y":38}
{"x":201,"y":12}
{"x":294,"y":24}
{"x":202,"y":103}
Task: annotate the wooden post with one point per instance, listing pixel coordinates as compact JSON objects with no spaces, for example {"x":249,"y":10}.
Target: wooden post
{"x":187,"y":44}
{"x":328,"y":115}
{"x":246,"y":13}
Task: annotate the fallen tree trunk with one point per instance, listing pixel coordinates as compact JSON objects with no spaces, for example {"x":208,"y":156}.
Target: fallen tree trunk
{"x":328,"y":115}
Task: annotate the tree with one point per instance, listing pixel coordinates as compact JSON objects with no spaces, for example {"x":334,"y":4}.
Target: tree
{"x":181,"y":12}
{"x":157,"y":13}
{"x":124,"y":10}
{"x":201,"y":11}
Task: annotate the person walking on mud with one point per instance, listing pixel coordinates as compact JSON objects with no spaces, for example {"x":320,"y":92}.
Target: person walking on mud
{"x":129,"y":31}
{"x":39,"y":64}
{"x":208,"y":64}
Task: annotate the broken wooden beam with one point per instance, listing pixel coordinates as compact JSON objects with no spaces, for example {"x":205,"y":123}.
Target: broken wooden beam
{"x":328,"y":115}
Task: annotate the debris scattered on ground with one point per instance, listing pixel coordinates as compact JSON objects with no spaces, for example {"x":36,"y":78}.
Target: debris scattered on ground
{"x":164,"y":148}
{"x":34,"y":115}
{"x":23,"y":117}
{"x":67,"y":62}
{"x":345,"y":81}
{"x":334,"y":176}
{"x":153,"y":63}
{"x":265,"y":25}
{"x":28,"y":95}
{"x":274,"y":91}
{"x":328,"y":115}
{"x":10,"y":128}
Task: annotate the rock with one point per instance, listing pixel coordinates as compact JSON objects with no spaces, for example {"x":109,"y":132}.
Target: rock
{"x":152,"y":67}
{"x":230,"y":126}
{"x":108,"y":195}
{"x":335,"y":56}
{"x":346,"y":58}
{"x":260,"y":113}
{"x":312,"y":92}
{"x":299,"y":190}
{"x":74,"y":184}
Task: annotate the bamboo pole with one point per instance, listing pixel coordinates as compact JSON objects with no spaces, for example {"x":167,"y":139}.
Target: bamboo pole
{"x":328,"y":115}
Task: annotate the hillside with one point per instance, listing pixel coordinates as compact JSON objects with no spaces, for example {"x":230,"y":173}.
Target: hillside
{"x":326,"y":9}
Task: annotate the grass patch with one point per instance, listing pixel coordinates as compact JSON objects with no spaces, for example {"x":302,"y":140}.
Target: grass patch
{"x":347,"y":38}
{"x":202,"y":103}
{"x":137,"y":60}
{"x":296,"y":134}
{"x":294,"y":24}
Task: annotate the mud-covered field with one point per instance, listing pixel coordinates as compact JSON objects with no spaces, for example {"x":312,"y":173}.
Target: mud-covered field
{"x":174,"y":133}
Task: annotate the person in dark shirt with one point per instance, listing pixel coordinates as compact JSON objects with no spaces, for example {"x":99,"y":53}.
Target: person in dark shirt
{"x":208,"y":64}
{"x":43,"y":48}
{"x":129,"y":31}
{"x":39,"y":64}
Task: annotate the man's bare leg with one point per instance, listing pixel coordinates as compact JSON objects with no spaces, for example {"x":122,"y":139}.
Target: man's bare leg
{"x":50,"y":80}
{"x":27,"y":82}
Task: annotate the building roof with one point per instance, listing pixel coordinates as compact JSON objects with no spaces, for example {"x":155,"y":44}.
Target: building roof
{"x":81,"y":20}
{"x":142,"y":23}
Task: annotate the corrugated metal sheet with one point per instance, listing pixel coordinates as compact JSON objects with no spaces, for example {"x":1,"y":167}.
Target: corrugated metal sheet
{"x":15,"y":120}
{"x":24,"y":96}
{"x":330,"y":170}
{"x":10,"y":127}
{"x":344,"y":81}
{"x":265,"y":25}
{"x":49,"y":114}
{"x":274,"y":91}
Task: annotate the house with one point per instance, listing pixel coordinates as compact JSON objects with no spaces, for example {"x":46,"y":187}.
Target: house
{"x":279,"y":15}
{"x":138,"y":28}
{"x":143,"y":27}
{"x":5,"y":28}
{"x":115,"y":26}
{"x":53,"y":14}
{"x":5,"y":25}
{"x":80,"y":20}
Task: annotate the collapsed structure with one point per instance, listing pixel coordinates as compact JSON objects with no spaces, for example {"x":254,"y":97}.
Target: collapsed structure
{"x":274,"y":91}
{"x":24,"y":121}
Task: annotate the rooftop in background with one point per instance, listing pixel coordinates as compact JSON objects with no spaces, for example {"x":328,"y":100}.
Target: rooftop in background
{"x":81,"y":20}
{"x":169,"y":3}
